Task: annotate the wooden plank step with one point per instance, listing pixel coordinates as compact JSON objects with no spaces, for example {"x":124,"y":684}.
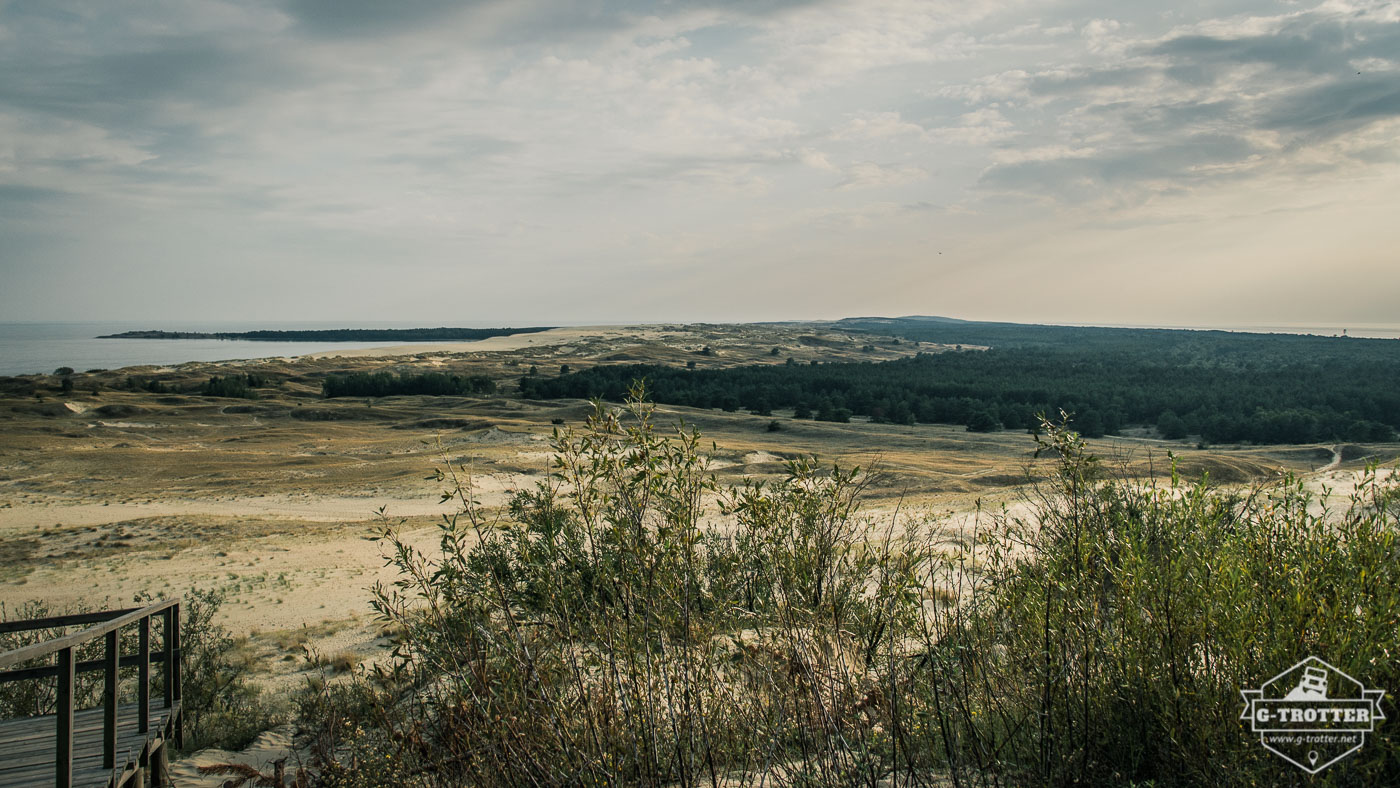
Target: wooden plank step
{"x":84,"y":721}
{"x":27,"y":750}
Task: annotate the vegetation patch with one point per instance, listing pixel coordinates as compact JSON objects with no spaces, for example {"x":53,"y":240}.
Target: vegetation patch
{"x":600,"y":634}
{"x":386,"y":384}
{"x":1220,"y":386}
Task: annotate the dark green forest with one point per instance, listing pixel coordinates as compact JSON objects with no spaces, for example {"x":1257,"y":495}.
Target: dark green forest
{"x":1224,"y":387}
{"x":387,"y":384}
{"x":339,"y":334}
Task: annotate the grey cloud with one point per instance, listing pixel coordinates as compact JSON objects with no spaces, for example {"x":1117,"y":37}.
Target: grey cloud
{"x":1337,"y":107}
{"x":21,"y":199}
{"x":371,"y":18}
{"x":125,"y":89}
{"x":1307,"y":44}
{"x":523,"y":22}
{"x":1165,"y":119}
{"x":452,"y":153}
{"x":13,"y":192}
{"x":1201,"y":132}
{"x":1318,"y":48}
{"x":1168,"y":161}
{"x":1076,"y":82}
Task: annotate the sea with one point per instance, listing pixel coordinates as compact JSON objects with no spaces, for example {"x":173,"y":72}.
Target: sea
{"x":40,"y":348}
{"x":34,"y":348}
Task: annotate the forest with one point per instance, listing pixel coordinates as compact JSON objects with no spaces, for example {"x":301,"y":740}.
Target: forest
{"x":1221,"y":387}
{"x":338,"y":334}
{"x":387,"y":384}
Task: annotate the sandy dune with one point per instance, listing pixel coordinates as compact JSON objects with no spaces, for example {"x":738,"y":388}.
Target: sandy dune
{"x":552,"y":337}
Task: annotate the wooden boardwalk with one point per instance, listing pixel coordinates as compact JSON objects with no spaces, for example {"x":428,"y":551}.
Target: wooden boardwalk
{"x":28,"y":750}
{"x":119,"y":745}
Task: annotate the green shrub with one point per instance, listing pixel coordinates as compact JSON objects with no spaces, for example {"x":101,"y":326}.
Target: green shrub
{"x":232,"y":386}
{"x":1108,"y":635}
{"x":600,"y":634}
{"x":604,"y":630}
{"x":223,"y":706}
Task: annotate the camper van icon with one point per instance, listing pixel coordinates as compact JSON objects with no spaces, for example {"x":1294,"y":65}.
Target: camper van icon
{"x":1313,"y":686}
{"x":1312,"y":715}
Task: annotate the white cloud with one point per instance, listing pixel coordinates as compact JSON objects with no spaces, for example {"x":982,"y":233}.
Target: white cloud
{"x":878,"y":125}
{"x":867,"y":174}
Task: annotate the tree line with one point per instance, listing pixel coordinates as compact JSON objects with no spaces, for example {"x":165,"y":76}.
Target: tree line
{"x":1222,"y":387}
{"x":388,"y":384}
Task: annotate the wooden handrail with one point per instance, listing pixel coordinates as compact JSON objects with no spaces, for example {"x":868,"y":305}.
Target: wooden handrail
{"x":45,"y":671}
{"x":53,"y":622}
{"x":47,"y":647}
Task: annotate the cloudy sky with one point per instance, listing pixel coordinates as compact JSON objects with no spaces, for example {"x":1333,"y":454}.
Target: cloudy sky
{"x":1218,"y":163}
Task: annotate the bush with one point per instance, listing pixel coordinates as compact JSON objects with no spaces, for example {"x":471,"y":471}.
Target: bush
{"x":1110,"y":633}
{"x":599,"y":633}
{"x":983,"y":421}
{"x":232,"y":386}
{"x":1172,"y":426}
{"x":602,"y":635}
{"x":223,"y":707}
{"x":151,"y":385}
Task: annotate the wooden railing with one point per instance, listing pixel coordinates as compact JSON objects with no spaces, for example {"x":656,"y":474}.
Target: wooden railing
{"x":109,"y":625}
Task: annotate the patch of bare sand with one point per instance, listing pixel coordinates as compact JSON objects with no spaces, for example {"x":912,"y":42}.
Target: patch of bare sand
{"x":492,"y":490}
{"x":270,"y":747}
{"x":274,"y":583}
{"x":1336,"y":487}
{"x":550,"y":338}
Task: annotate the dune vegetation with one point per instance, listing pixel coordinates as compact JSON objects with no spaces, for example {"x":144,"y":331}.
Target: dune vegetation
{"x":630,"y":620}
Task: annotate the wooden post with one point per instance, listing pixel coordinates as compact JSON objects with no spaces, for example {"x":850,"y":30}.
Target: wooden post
{"x":143,"y":669}
{"x":63,"y":760}
{"x":109,"y":702}
{"x":160,"y":765}
{"x":175,"y":633}
{"x":179,"y":663}
{"x":168,"y":644}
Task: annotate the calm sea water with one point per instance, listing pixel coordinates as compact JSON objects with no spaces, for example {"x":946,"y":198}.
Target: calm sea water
{"x":27,"y":348}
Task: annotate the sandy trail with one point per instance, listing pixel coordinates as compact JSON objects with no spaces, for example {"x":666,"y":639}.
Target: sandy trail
{"x":1336,"y":460}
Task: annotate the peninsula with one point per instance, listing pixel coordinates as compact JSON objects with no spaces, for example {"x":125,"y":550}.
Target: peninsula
{"x":338,"y":334}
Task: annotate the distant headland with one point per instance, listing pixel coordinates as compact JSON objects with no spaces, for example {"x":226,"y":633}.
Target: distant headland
{"x":338,"y":334}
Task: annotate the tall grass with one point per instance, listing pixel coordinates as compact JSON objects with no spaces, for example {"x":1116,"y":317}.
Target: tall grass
{"x":615,"y":628}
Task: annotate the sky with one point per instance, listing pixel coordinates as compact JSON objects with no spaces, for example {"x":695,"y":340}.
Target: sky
{"x":522,"y":162}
